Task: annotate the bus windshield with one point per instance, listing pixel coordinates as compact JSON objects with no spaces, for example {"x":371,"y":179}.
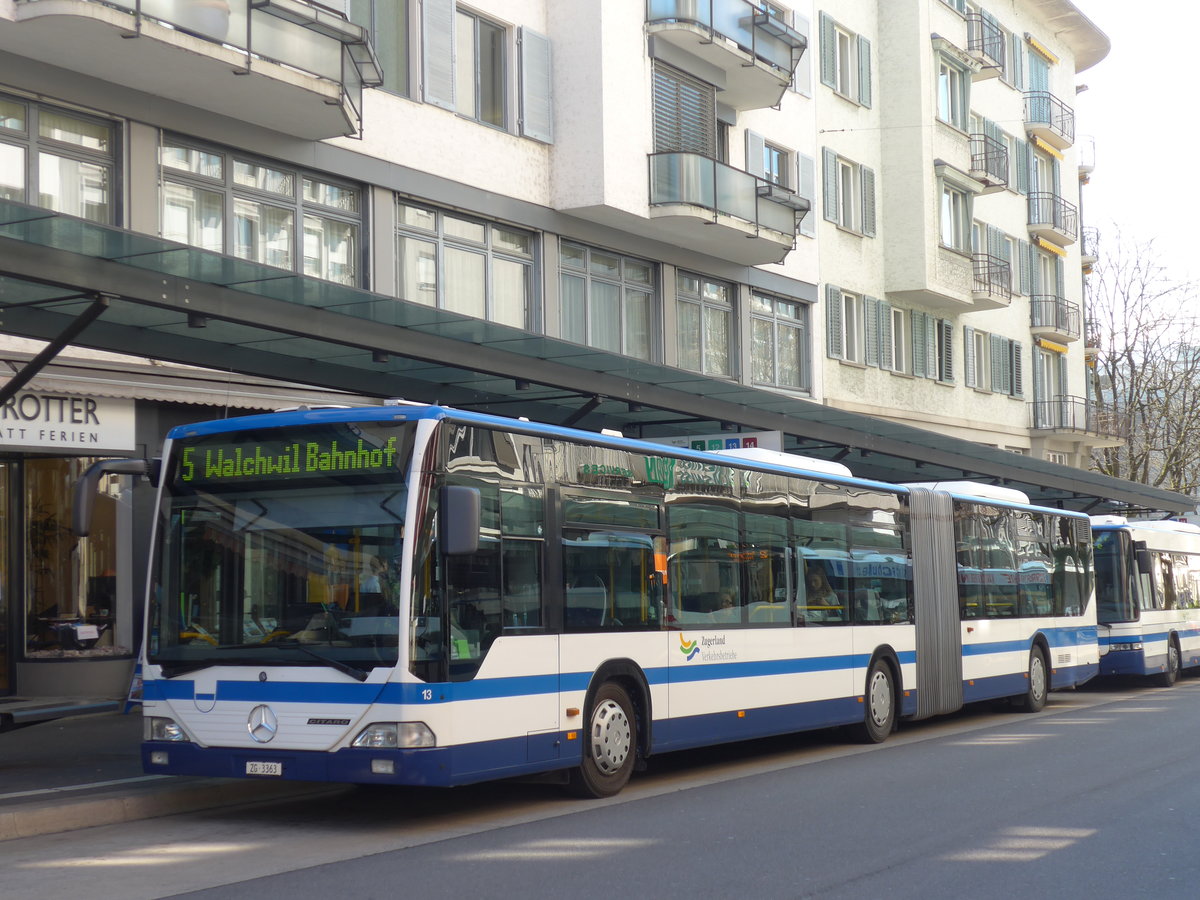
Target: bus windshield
{"x":282,"y":548}
{"x":1116,"y":588}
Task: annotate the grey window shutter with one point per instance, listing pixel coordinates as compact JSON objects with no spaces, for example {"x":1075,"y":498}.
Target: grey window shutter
{"x":945,"y":336}
{"x":1035,"y":272}
{"x":1018,"y":64}
{"x":755,"y":145}
{"x":1023,"y":257}
{"x":999,"y":348}
{"x":1039,"y":379}
{"x":1018,"y":378}
{"x":802,"y":80}
{"x":864,"y":71}
{"x":829,"y":173}
{"x":828,"y":52}
{"x":918,"y":344}
{"x":808,"y":190}
{"x":437,"y":52}
{"x":1060,"y":279}
{"x":835,"y":347}
{"x":870,"y":331}
{"x":685,"y":113}
{"x":1022,"y":167}
{"x":868,"y":200}
{"x":1056,"y":169}
{"x":993,"y":241}
{"x":886,"y":357}
{"x":969,"y":361}
{"x":537,"y":96}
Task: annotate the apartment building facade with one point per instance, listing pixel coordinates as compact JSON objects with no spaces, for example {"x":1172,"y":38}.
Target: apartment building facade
{"x":768,"y":208}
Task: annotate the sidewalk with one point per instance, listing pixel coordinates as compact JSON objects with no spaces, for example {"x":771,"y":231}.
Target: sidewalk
{"x":82,"y":771}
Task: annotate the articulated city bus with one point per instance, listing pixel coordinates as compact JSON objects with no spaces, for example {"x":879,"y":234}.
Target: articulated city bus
{"x":1148,"y":596}
{"x":417,"y":595}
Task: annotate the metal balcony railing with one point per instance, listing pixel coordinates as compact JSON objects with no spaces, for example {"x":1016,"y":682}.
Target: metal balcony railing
{"x":1050,"y":209}
{"x":989,"y":156}
{"x":1076,"y":414}
{"x":694,"y":180}
{"x":993,"y":276}
{"x":1091,"y":333}
{"x":1044,"y":109}
{"x":1050,"y":311}
{"x":745,"y":23}
{"x":1089,"y":238}
{"x":986,"y":38}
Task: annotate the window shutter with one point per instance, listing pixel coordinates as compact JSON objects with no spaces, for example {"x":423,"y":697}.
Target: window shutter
{"x":886,"y":357}
{"x":1039,"y":377}
{"x":867,"y":177}
{"x":755,"y":145}
{"x":1035,"y":272}
{"x":1022,"y":167}
{"x":1018,"y":64}
{"x":829,"y":173}
{"x":835,"y":346}
{"x":437,"y":52}
{"x":1023,"y":258}
{"x":828,"y":52}
{"x":808,"y":190}
{"x":969,"y":361}
{"x":945,"y":337}
{"x":999,"y":348}
{"x":1018,"y":380}
{"x":802,"y":79}
{"x":864,"y":71}
{"x":685,"y":113}
{"x":993,"y":241}
{"x":537,"y":99}
{"x":871,"y":331}
{"x":918,"y":344}
{"x":1060,"y":280}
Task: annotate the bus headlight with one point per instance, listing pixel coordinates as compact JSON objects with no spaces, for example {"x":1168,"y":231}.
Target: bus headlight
{"x":158,"y":728}
{"x":395,"y":736}
{"x":1135,"y":645}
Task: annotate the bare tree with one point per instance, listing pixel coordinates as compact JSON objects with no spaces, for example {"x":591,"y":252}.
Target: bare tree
{"x":1148,"y":365}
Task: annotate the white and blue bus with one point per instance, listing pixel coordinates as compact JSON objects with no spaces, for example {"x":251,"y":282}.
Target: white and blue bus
{"x":416,"y":595}
{"x":1147,"y":596}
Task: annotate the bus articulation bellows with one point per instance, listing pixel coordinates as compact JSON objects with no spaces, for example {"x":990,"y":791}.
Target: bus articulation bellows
{"x":412,"y":594}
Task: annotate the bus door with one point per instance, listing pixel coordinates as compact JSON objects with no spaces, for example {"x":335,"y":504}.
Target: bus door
{"x":935,"y":589}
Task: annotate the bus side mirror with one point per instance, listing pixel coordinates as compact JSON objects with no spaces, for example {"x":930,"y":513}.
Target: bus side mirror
{"x":85,"y":487}
{"x":460,"y":520}
{"x":1141,"y":553}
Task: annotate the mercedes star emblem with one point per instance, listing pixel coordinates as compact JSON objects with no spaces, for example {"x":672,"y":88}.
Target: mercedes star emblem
{"x":262,"y":724}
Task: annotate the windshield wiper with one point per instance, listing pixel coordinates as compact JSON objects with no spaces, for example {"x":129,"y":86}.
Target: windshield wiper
{"x":343,"y":667}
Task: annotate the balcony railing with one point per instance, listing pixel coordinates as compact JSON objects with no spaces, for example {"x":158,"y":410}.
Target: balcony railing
{"x":1049,"y":118}
{"x":1051,"y":215}
{"x":1076,"y":414}
{"x":690,"y":179}
{"x":993,"y":277}
{"x":985,"y":39}
{"x":1089,"y":239}
{"x":1091,"y":335}
{"x":758,"y":33}
{"x":1051,"y":313}
{"x":989,"y":160}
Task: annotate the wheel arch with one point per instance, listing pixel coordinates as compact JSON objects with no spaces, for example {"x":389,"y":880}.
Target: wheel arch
{"x":887,"y":653}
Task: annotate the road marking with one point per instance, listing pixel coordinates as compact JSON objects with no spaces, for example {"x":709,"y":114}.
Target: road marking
{"x":81,"y":787}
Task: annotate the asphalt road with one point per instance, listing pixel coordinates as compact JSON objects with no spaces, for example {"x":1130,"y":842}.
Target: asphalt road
{"x":1097,"y":797}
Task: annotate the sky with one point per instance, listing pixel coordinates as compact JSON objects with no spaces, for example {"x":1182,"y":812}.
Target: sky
{"x":1140,"y":110}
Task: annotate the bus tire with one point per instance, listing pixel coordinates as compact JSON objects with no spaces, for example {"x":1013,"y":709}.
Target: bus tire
{"x":610,"y":747}
{"x":1171,"y":675}
{"x":879,"y":700}
{"x":1034,"y":698}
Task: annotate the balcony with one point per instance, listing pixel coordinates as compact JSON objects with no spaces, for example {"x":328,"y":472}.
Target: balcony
{"x":1087,"y":158}
{"x":1054,"y":318}
{"x":756,"y":52}
{"x":1091,"y":338}
{"x":1050,"y":119}
{"x":1089,"y":254}
{"x":707,"y":206}
{"x":993,"y":282}
{"x":1075,"y":415}
{"x":985,"y":42}
{"x":288,"y":65}
{"x":1053,"y":218}
{"x":989,"y":163}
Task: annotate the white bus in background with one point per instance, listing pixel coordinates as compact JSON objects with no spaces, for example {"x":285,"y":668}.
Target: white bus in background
{"x":1148,"y":596}
{"x":419,"y":595}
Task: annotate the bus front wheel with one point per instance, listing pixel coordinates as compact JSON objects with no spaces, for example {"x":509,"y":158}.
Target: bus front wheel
{"x":1171,"y":675}
{"x":879,"y":717}
{"x":611,"y":744}
{"x":1034,"y":698}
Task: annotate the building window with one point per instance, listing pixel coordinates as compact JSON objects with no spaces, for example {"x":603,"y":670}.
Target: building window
{"x":779,"y":343}
{"x":932,"y":347}
{"x":685,"y":113}
{"x":607,"y":300}
{"x":955,"y":219}
{"x":845,"y":61}
{"x":976,"y":368}
{"x":1005,"y":361}
{"x":849,"y":190}
{"x":703,"y":319}
{"x":387,"y":25}
{"x":892,"y":328}
{"x":62,"y":161}
{"x":480,"y":75}
{"x":845,"y":325}
{"x":475,"y":268}
{"x":260,"y":211}
{"x":954,"y":92}
{"x":777,"y":165}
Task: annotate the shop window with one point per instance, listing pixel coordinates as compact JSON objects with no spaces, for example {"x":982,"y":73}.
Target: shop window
{"x":70,"y":583}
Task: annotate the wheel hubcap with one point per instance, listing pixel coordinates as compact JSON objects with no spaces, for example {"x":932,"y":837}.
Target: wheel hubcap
{"x":612,"y":737}
{"x":880,"y":699}
{"x":1037,"y":677}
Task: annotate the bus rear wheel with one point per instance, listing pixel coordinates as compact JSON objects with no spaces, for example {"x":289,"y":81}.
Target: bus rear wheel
{"x":611,"y":744}
{"x":879,"y":717}
{"x":1034,"y":698}
{"x":1171,"y":675}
